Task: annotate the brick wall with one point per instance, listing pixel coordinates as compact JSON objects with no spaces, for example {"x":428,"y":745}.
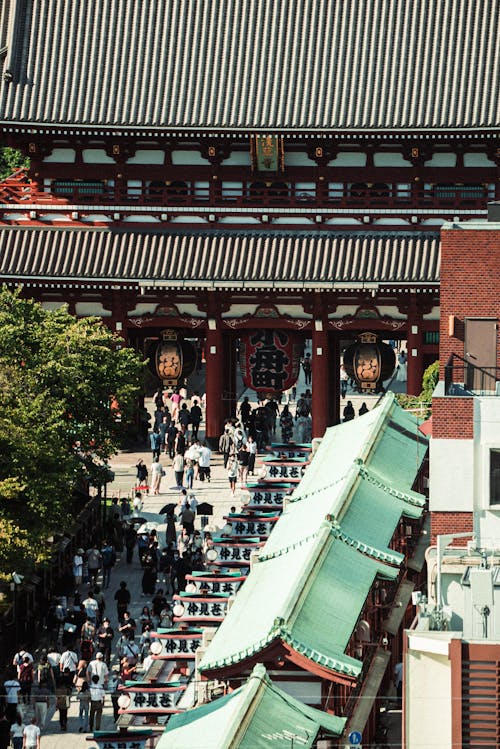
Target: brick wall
{"x":452,"y":418}
{"x":470,"y":273}
{"x":451,"y":522}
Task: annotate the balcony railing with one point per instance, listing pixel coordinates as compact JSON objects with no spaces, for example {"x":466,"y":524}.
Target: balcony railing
{"x":462,"y":377}
{"x":359,"y":196}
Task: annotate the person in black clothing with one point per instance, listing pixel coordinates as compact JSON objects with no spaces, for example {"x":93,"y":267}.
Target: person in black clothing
{"x":349,"y":412}
{"x":105,"y":635}
{"x":363,"y":409}
{"x":158,"y":603}
{"x":158,"y":399}
{"x":245,"y":411}
{"x":196,"y":415}
{"x":122,"y":598}
{"x":142,"y":471}
{"x":4,"y":731}
{"x":171,"y":436}
{"x":184,"y":418}
{"x":306,"y":366}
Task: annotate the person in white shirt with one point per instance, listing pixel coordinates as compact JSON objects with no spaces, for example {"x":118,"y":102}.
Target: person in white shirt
{"x":91,"y":607}
{"x":204,"y":462}
{"x":97,"y":695}
{"x":12,"y":688}
{"x":31,"y":736}
{"x":98,"y":668}
{"x":78,"y":567}
{"x":69,"y":659}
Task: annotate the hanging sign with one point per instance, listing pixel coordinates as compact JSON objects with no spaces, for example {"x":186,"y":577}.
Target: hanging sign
{"x":291,"y":451}
{"x":177,"y":644}
{"x":270,"y":361}
{"x":252,"y":526}
{"x":268,"y":495}
{"x":215,"y":584}
{"x":292,"y":470}
{"x":121,"y":739}
{"x":208,"y":610}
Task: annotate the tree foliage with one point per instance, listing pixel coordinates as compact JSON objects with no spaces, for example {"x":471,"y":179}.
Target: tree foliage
{"x":10,"y":160}
{"x":59,"y":379}
{"x":424,"y":400}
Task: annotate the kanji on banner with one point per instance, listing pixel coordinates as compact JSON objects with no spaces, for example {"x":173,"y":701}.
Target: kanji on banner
{"x":270,"y":360}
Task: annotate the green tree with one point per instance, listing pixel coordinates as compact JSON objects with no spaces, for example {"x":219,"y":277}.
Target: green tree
{"x":68,"y":392}
{"x":429,"y":382}
{"x":10,"y":160}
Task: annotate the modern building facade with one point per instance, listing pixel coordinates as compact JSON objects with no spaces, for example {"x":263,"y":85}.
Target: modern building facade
{"x":217,"y":167}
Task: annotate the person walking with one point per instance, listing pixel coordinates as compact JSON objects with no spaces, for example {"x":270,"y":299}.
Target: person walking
{"x":98,"y":668}
{"x":78,"y":567}
{"x":178,"y":466}
{"x":344,"y":378}
{"x":12,"y":688}
{"x":204,"y":462}
{"x":83,"y":697}
{"x":196,"y":416}
{"x":62,"y":704}
{"x":243,"y":457}
{"x":252,"y":454}
{"x":286,"y":424}
{"x":94,"y":562}
{"x":42,"y":703}
{"x":155,"y":443}
{"x":17,"y":732}
{"x":232,"y":473}
{"x":156,"y":475}
{"x":349,"y":412}
{"x":226,"y":445}
{"x":108,"y":555}
{"x":97,"y":695}
{"x":122,"y":598}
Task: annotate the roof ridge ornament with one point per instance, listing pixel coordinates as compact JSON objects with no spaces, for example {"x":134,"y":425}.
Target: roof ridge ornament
{"x":412,"y":498}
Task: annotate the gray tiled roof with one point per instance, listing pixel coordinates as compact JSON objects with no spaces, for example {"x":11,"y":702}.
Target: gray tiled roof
{"x":249,"y":64}
{"x":233,"y":259}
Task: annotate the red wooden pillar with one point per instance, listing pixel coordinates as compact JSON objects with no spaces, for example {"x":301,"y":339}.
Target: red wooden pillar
{"x":320,"y":379}
{"x":213,"y":383}
{"x":414,"y":342}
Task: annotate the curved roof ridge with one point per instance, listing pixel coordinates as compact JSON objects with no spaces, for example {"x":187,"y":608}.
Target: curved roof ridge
{"x":340,"y":662}
{"x":285,"y":549}
{"x":386,"y":556}
{"x":412,"y":498}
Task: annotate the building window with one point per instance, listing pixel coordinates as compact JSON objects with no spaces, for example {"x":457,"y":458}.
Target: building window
{"x":78,"y":187}
{"x":431,"y":337}
{"x":495,"y":477}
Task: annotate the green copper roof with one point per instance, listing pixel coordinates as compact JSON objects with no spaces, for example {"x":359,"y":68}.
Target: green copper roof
{"x":309,"y":596}
{"x":357,"y":480}
{"x":246,"y":718}
{"x":316,"y":569}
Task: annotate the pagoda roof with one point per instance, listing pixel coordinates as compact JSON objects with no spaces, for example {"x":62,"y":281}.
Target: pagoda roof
{"x":216,"y":259}
{"x":312,"y":578}
{"x":249,"y":718}
{"x":241,"y":66}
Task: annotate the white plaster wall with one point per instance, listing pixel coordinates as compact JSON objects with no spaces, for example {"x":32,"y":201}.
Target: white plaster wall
{"x":96,"y":156}
{"x":238,"y":310}
{"x":146,"y":156}
{"x":390,"y":158}
{"x":428,"y":700}
{"x":349,"y":158}
{"x":442,"y":159}
{"x":190,"y":310}
{"x":84,"y":309}
{"x":394,"y":221}
{"x":293,"y":310}
{"x":299,"y":158}
{"x":61,"y":156}
{"x":451,"y":485}
{"x":188,"y":157}
{"x":477,"y":159}
{"x":142,"y":309}
{"x":433,"y":314}
{"x":238,"y":158}
{"x":52,"y":305}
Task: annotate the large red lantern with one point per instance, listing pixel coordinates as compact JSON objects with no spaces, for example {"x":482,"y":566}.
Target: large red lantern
{"x":172,"y":359}
{"x":270,"y":361}
{"x":369,"y":362}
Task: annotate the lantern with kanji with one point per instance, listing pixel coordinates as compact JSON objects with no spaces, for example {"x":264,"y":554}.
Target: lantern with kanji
{"x":270,"y":361}
{"x":172,"y":359}
{"x":369,"y":362}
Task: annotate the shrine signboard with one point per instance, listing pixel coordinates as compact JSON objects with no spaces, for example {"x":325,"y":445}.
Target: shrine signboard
{"x":268,"y":495}
{"x":285,"y":470}
{"x":253,"y":525}
{"x":200,"y":608}
{"x":121,"y":739}
{"x":289,"y":450}
{"x":229,"y":584}
{"x":235,"y":552}
{"x":178,"y":643}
